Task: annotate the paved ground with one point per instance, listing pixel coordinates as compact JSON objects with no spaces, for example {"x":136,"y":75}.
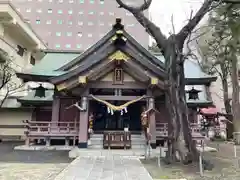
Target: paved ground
{"x":30,"y":165}
{"x":223,"y":160}
{"x":46,"y":165}
{"x":105,"y":168}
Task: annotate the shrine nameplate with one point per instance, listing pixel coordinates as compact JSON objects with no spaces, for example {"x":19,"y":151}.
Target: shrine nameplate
{"x":117,"y":139}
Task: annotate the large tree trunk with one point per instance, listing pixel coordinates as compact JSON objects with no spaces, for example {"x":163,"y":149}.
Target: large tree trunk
{"x":228,"y":108}
{"x":235,"y":98}
{"x":224,"y":77}
{"x":181,"y":146}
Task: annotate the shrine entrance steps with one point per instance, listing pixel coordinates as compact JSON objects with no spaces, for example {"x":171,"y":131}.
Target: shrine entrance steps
{"x":137,"y":141}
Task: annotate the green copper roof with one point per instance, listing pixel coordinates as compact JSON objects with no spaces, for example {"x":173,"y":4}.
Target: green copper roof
{"x":191,"y":68}
{"x":51,"y":62}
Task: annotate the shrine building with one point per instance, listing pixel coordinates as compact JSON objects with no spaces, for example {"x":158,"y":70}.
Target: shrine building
{"x":105,"y":89}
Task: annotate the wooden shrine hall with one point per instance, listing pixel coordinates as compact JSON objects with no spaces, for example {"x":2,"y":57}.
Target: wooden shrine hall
{"x":108,"y":89}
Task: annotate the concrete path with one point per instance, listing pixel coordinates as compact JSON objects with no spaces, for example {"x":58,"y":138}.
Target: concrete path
{"x":105,"y":168}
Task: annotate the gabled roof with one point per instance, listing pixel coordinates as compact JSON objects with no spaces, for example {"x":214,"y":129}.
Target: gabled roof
{"x":59,"y":66}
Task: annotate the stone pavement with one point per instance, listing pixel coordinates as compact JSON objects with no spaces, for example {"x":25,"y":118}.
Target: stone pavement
{"x":105,"y":168}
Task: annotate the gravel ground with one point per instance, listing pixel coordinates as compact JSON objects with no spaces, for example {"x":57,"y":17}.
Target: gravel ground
{"x":30,"y":165}
{"x":223,"y":160}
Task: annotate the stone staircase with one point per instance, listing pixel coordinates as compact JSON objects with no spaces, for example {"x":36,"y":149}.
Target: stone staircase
{"x":137,"y":140}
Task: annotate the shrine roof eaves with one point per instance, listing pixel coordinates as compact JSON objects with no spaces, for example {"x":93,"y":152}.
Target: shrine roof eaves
{"x":48,"y":66}
{"x":31,"y":99}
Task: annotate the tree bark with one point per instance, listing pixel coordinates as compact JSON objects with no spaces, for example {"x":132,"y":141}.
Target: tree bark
{"x":181,"y":142}
{"x":228,"y":108}
{"x":224,"y":77}
{"x":181,"y":146}
{"x":235,"y":98}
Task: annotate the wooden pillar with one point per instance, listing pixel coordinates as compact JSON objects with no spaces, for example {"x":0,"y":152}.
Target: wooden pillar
{"x":152,"y":122}
{"x":83,"y":125}
{"x":55,"y":110}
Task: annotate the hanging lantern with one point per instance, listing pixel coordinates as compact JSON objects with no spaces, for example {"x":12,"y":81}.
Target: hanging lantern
{"x":193,"y":94}
{"x":40,"y":91}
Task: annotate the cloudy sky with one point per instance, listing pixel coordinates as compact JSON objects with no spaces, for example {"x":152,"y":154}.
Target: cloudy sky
{"x":162,"y":10}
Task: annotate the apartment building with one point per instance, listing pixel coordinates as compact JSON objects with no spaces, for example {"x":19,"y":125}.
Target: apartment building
{"x":20,"y":49}
{"x":77,"y":24}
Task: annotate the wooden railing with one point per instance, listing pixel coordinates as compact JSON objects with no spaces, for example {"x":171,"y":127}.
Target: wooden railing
{"x":162,"y":130}
{"x":43,"y":128}
{"x":116,"y":139}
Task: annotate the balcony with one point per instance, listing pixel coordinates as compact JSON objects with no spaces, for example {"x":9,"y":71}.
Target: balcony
{"x":17,"y":62}
{"x":51,"y":129}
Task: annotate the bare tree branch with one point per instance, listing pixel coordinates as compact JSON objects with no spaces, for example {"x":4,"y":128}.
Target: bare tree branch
{"x":188,"y":28}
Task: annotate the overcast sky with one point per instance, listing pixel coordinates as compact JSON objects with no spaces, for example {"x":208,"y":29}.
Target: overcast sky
{"x":162,"y":10}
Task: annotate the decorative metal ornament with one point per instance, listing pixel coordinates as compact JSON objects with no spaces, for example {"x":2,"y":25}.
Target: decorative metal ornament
{"x":61,"y":87}
{"x":119,"y":56}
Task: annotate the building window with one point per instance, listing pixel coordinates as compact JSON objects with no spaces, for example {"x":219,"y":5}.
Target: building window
{"x":28,"y":10}
{"x":70,"y":22}
{"x":92,"y":1}
{"x":60,"y":11}
{"x":80,"y":23}
{"x":49,"y":11}
{"x":91,"y":13}
{"x":101,"y":1}
{"x":101,"y":24}
{"x":59,"y":21}
{"x":39,"y":11}
{"x":81,"y":1}
{"x":71,"y":1}
{"x":20,"y":50}
{"x":130,"y":25}
{"x":70,"y":11}
{"x":32,"y":60}
{"x":58,"y":33}
{"x":101,"y":13}
{"x":49,"y":22}
{"x":79,"y":46}
{"x":69,"y":33}
{"x":60,"y":1}
{"x":57,"y":45}
{"x":80,"y":12}
{"x":79,"y":34}
{"x":68,"y":45}
{"x":111,"y":13}
{"x":89,"y":35}
{"x":38,"y":21}
{"x":90,"y":23}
